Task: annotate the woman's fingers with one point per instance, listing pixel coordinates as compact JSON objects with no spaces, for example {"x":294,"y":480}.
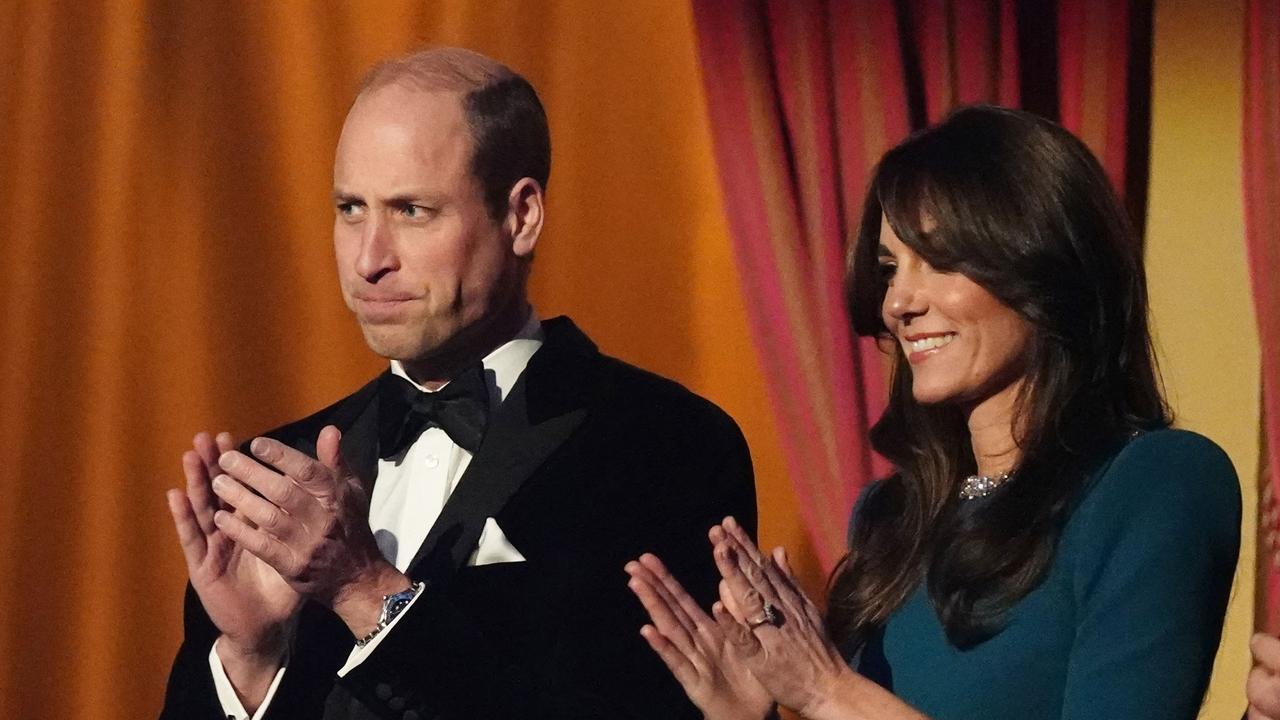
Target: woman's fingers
{"x":739,"y":536}
{"x":730,"y":603}
{"x":677,"y":592}
{"x":667,"y":616}
{"x":785,"y":593}
{"x":784,"y":564}
{"x":747,"y":597}
{"x":1266,"y":651}
{"x":811,"y":610}
{"x":752,"y":564}
{"x":741,"y":641}
{"x":685,"y":672}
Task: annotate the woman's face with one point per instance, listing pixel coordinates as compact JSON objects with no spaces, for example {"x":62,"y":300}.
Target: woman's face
{"x":963,"y":344}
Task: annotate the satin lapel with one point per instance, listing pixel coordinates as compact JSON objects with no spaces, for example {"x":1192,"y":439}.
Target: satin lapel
{"x":359,"y":445}
{"x":541,"y":412}
{"x":357,"y":417}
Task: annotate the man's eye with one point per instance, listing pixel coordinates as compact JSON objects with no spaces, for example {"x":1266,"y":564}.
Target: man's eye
{"x":415,"y":212}
{"x":348,"y":209}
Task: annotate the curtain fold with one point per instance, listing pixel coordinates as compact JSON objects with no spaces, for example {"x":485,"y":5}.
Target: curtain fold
{"x":769,"y":76}
{"x":1261,"y":168}
{"x":168,"y":267}
{"x":803,"y":97}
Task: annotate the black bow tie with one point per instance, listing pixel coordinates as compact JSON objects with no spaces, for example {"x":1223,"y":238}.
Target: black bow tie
{"x":460,"y":408}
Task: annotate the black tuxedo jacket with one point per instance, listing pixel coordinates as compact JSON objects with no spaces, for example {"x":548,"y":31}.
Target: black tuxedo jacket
{"x":588,"y":463}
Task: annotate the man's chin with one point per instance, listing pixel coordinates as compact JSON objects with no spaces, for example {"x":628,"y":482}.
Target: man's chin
{"x":395,"y":344}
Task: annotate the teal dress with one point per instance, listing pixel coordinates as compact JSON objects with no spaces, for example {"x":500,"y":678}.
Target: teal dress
{"x":1126,"y":622}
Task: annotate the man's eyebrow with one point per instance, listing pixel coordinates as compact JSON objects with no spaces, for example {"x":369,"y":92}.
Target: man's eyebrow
{"x":415,"y":198}
{"x":398,"y":200}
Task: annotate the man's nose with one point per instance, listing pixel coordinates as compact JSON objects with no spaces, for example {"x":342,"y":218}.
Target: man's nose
{"x":377,"y":250}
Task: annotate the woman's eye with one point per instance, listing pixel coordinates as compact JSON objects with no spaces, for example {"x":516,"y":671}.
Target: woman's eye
{"x":885,"y":271}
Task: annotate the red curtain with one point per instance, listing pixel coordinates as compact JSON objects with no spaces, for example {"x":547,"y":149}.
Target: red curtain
{"x":1262,"y":234}
{"x":804,"y":96}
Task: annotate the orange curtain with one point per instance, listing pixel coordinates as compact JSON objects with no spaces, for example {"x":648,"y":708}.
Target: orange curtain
{"x":1262,"y":236}
{"x":804,"y":96}
{"x":793,"y":164}
{"x":167,"y":268}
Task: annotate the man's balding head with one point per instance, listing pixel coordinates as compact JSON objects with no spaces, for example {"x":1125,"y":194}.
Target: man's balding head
{"x":507,"y":122}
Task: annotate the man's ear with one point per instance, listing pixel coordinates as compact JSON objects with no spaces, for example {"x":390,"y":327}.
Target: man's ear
{"x":525,"y":213}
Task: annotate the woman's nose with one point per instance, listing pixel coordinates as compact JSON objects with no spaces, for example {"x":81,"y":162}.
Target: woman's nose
{"x":904,"y":298}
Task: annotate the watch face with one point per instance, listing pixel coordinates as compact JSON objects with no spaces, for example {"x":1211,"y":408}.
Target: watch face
{"x":395,"y":603}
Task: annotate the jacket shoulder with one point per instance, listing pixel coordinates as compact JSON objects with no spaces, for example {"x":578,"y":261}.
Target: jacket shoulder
{"x":643,"y":394}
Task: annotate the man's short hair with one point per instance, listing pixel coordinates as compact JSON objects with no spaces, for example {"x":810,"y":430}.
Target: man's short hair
{"x":509,"y":134}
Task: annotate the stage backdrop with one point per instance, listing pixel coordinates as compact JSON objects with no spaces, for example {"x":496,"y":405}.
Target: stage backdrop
{"x":167,"y":268}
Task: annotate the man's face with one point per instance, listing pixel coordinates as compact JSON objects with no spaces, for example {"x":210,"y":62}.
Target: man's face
{"x":422,"y":263}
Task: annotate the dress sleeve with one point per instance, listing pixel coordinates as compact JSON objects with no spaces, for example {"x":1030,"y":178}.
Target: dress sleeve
{"x":1153,"y":553}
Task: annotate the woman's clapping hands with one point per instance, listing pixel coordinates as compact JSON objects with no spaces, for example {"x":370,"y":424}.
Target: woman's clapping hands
{"x":694,"y":646}
{"x":736,"y":661}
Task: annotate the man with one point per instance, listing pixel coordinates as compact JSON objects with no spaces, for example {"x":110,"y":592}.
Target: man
{"x":449,"y":540}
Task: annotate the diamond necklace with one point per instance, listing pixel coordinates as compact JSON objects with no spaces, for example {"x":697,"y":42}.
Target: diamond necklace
{"x":979,"y":486}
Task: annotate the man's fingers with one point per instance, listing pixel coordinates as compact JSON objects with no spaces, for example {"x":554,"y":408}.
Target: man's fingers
{"x":190,"y":537}
{"x":265,"y":547}
{"x":279,"y":489}
{"x":225,"y":442}
{"x":263,"y":514}
{"x":310,"y":473}
{"x":329,"y":450}
{"x":207,"y":448}
{"x":200,"y":498}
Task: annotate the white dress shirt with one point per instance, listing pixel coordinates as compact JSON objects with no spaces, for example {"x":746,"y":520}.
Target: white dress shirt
{"x":409,"y":495}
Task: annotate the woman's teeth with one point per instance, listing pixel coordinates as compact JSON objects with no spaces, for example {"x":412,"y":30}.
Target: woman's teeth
{"x":931,"y":343}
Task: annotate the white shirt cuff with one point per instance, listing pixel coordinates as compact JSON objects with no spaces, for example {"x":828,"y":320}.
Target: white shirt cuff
{"x":359,"y":654}
{"x":231,"y":705}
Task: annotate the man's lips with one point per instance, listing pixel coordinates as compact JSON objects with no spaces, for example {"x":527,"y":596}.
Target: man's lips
{"x":395,"y":297}
{"x":381,"y":308}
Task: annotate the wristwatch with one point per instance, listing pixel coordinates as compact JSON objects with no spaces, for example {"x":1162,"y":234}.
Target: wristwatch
{"x":392,"y":606}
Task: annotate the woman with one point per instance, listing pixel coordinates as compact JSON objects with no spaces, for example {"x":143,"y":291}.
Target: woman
{"x":1263,"y":686}
{"x":1046,"y":547}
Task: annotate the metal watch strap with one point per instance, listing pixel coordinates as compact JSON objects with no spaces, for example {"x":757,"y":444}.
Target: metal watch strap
{"x":392,"y":606}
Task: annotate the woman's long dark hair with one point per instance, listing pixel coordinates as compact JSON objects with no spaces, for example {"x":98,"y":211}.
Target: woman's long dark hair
{"x":1020,"y":206}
